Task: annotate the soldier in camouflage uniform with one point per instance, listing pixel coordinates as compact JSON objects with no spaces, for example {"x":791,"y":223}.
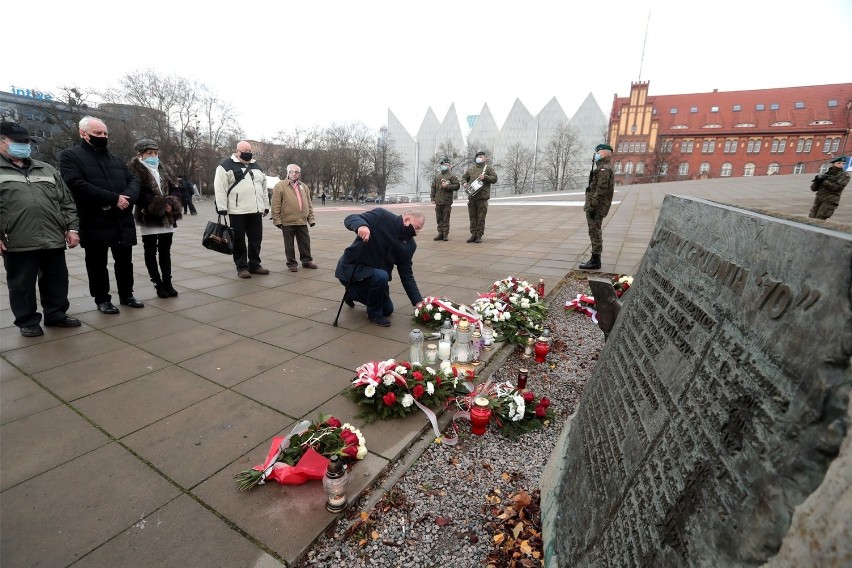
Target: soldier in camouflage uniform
{"x":444,"y":187}
{"x":828,"y":187}
{"x":598,"y":200}
{"x":477,"y":204}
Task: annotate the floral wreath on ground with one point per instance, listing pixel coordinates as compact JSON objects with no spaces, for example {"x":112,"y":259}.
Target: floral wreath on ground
{"x":585,"y":303}
{"x":432,"y":312}
{"x":388,"y":389}
{"x":514,"y":308}
{"x":304,"y":453}
{"x":515,"y":411}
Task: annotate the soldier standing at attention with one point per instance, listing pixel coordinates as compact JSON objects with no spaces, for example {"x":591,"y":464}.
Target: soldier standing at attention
{"x":828,"y":187}
{"x":477,"y":203}
{"x":598,"y":200}
{"x":444,"y":187}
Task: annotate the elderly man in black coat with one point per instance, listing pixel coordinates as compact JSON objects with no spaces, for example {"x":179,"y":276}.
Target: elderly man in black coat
{"x":105,"y":191}
{"x":384,"y":240}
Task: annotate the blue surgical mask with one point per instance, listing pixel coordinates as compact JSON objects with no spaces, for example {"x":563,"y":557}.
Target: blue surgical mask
{"x":479,"y":160}
{"x":19,"y":149}
{"x":597,"y":156}
{"x":151,"y":161}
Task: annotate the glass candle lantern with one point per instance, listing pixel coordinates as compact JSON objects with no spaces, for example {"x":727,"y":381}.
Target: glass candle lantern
{"x":523,"y":375}
{"x":528,"y":348}
{"x":542,"y":348}
{"x":549,"y":338}
{"x":447,"y":330}
{"x":487,"y":335}
{"x":431,"y":355}
{"x":540,"y":289}
{"x":415,"y":347}
{"x":480,"y":416}
{"x":334,"y":483}
{"x":461,"y":349}
{"x":444,"y":347}
{"x":475,"y":346}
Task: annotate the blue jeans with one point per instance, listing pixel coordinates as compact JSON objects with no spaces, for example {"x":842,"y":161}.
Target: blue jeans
{"x":374,"y":293}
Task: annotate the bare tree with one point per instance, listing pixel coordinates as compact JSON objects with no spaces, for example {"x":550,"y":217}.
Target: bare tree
{"x":561,"y":159}
{"x":64,"y":113}
{"x":518,"y":163}
{"x":459,"y":162}
{"x":661,"y":166}
{"x":388,"y":165}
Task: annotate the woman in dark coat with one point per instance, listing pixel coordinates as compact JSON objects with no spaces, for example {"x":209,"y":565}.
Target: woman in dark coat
{"x":156,"y":213}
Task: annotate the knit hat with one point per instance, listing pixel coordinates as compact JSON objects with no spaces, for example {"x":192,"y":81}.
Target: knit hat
{"x":145,"y":144}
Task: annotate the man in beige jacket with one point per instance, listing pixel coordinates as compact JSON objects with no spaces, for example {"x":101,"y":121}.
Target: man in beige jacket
{"x":292,"y":212}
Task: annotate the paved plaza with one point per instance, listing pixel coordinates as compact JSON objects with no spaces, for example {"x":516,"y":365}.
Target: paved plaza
{"x":119,"y":439}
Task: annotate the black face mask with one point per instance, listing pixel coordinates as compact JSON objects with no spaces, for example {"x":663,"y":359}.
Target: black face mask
{"x":98,"y":141}
{"x":245,"y":156}
{"x":408,"y":231}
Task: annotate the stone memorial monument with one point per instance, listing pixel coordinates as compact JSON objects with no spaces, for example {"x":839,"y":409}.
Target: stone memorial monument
{"x":718,"y":406}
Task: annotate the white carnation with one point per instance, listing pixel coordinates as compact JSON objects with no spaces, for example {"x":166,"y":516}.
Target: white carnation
{"x":362,"y":452}
{"x":430,"y":388}
{"x":369,"y":391}
{"x":401,"y":370}
{"x":438,"y":317}
{"x":525,"y":304}
{"x":388,"y":379}
{"x":407,"y":400}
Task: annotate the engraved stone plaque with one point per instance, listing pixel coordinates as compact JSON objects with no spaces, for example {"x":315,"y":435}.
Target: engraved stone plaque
{"x":720,"y":398}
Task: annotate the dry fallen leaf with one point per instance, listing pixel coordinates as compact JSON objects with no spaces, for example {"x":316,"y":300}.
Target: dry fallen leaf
{"x":365,"y":515}
{"x":375,"y":535}
{"x":442,"y":521}
{"x":499,"y":537}
{"x":517,"y":530}
{"x":525,"y":547}
{"x":362,"y":542}
{"x":505,"y":476}
{"x":522,"y":499}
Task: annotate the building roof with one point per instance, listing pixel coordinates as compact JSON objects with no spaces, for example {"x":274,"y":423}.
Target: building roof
{"x":783,"y":110}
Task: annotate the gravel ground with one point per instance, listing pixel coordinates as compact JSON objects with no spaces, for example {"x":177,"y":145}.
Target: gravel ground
{"x":438,"y":513}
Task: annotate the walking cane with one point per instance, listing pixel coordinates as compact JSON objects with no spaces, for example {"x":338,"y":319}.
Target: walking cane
{"x":348,"y":284}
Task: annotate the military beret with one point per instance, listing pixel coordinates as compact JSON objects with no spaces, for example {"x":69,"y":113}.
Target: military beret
{"x":145,"y":144}
{"x":838,"y":159}
{"x":445,"y":160}
{"x":480,"y":153}
{"x":603,"y":147}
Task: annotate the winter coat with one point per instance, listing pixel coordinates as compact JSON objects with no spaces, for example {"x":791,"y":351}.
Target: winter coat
{"x":285,"y":205}
{"x":248,"y":196}
{"x":97,"y":179}
{"x":36,"y":208}
{"x":150,"y":209}
{"x":601,"y":187}
{"x":388,"y":246}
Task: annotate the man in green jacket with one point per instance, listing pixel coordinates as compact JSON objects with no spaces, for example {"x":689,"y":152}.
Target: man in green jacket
{"x":598,"y":201}
{"x":444,"y":187}
{"x":828,"y":187}
{"x":481,"y":175}
{"x":38,"y":219}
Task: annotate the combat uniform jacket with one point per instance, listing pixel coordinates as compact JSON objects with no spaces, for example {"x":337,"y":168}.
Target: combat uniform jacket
{"x":484,"y":192}
{"x":444,"y":195}
{"x":601,"y":186}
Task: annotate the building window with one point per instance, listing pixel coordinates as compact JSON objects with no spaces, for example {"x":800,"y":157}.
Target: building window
{"x":714,"y":109}
{"x":704,"y":168}
{"x":693,"y":110}
{"x":664,"y":169}
{"x":753,"y":146}
{"x":640,"y":167}
{"x":799,"y":168}
{"x":731,"y":146}
{"x":673,"y":110}
{"x":620,"y":148}
{"x":831,"y":145}
{"x":748,"y":171}
{"x":643,"y":147}
{"x":708,"y":146}
{"x":686,"y":146}
{"x":774,"y":106}
{"x":617,"y":168}
{"x":737,"y":108}
{"x":727,"y":167}
{"x":759,"y":107}
{"x":800,"y":145}
{"x":628,"y":168}
{"x":666,"y":147}
{"x":824,"y":168}
{"x":832,"y":102}
{"x":773,"y":168}
{"x":683,"y":169}
{"x":809,"y":142}
{"x":799,"y":104}
{"x":779,"y":145}
{"x":835,"y":145}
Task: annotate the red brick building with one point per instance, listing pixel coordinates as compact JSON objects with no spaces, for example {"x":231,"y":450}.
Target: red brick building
{"x":728,"y":134}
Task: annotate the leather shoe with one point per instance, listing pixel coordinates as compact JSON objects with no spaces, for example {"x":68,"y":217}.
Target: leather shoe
{"x":309,"y":265}
{"x":259,"y":270}
{"x":107,"y":308}
{"x":243,"y":273}
{"x":64,"y":322}
{"x":32,"y":331}
{"x":131,"y":302}
{"x":348,"y":301}
{"x":293,"y":268}
{"x":381,"y":321}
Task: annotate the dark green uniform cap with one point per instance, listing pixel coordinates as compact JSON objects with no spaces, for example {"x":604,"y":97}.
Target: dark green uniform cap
{"x":603,"y":147}
{"x":445,"y":160}
{"x":838,"y":159}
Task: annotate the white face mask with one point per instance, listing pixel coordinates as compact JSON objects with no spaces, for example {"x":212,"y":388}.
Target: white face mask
{"x":479,"y":160}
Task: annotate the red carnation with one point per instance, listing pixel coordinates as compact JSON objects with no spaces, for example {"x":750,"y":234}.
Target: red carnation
{"x":351,"y":452}
{"x":540,"y":411}
{"x":455,"y":372}
{"x":545,"y":402}
{"x":529,"y":396}
{"x":417,"y":391}
{"x":406,"y":364}
{"x":470,"y":374}
{"x":389,"y":399}
{"x":438,"y":380}
{"x":418,"y":376}
{"x":333,"y":422}
{"x":425,"y":316}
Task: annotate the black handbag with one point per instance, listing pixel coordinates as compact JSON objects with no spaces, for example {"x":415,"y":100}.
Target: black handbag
{"x":218,"y":236}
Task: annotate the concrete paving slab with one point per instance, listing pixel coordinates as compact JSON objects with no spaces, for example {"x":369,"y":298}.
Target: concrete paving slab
{"x":361,"y":346}
{"x":302,"y":335}
{"x":57,"y":352}
{"x":151,"y":328}
{"x":238,"y":361}
{"x":190,"y":343}
{"x":20,"y":396}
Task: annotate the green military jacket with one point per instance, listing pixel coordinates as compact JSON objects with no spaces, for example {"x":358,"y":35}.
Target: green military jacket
{"x":829,"y":190}
{"x":601,"y":186}
{"x":490,"y":177}
{"x":444,"y":195}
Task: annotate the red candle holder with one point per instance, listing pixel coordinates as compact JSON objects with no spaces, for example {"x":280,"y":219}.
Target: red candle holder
{"x":542,"y":348}
{"x":480,"y":416}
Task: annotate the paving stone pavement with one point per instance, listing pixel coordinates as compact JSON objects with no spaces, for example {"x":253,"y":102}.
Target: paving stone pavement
{"x":119,"y":439}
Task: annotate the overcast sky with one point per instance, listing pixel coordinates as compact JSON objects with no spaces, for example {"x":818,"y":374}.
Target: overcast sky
{"x":285,"y":64}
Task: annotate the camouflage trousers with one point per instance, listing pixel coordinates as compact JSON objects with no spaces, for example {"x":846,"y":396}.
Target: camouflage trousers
{"x":477,"y":210}
{"x":442,"y":216}
{"x":595,"y":232}
{"x":823,"y":208}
